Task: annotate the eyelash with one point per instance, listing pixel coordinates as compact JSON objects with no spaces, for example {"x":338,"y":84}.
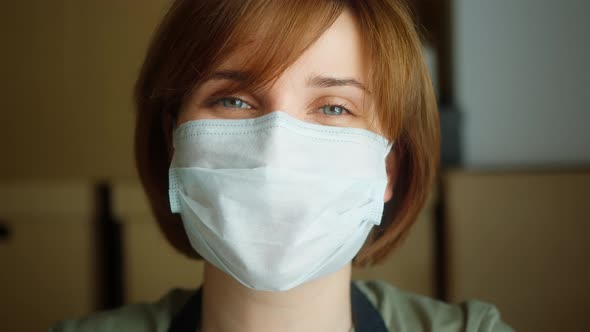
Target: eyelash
{"x":343,"y":106}
{"x":216,"y":101}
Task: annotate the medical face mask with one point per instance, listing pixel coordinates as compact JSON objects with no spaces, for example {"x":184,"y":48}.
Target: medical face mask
{"x":275,"y":201}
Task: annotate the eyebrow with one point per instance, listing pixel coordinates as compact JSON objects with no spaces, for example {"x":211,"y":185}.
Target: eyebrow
{"x":316,"y":81}
{"x":328,"y":82}
{"x":232,"y":75}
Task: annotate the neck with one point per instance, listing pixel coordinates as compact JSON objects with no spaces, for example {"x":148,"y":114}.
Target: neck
{"x":319,"y":305}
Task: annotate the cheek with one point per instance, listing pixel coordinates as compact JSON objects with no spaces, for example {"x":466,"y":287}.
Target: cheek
{"x":188,"y":112}
{"x":388,"y":193}
{"x":372,"y":117}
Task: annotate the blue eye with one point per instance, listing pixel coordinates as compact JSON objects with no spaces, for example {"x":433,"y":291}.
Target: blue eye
{"x":334,"y":109}
{"x":231,"y":102}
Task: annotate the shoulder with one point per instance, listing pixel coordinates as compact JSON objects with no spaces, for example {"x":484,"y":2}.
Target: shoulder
{"x":404,"y":311}
{"x":152,"y":317}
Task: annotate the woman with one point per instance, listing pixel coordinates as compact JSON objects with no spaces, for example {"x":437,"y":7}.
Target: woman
{"x":270,"y":135}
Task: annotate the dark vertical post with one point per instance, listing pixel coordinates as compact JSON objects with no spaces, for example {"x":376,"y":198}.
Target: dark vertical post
{"x":435,"y":16}
{"x":109,"y":251}
{"x":440,"y":250}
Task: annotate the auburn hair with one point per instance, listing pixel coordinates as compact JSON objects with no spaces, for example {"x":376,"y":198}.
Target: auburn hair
{"x":196,"y":36}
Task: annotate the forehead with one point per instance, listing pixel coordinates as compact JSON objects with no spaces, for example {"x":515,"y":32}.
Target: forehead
{"x":338,"y":52}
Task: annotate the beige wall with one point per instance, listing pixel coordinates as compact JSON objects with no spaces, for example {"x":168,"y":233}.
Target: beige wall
{"x":519,"y":240}
{"x":48,"y":270}
{"x":67,"y":69}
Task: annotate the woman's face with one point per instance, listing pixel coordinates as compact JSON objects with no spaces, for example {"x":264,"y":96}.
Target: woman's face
{"x":326,"y":85}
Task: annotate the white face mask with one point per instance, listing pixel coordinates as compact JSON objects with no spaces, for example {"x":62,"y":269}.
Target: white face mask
{"x":275,"y":201}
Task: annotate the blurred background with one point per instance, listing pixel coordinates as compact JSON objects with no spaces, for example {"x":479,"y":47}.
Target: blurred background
{"x":507,"y":223}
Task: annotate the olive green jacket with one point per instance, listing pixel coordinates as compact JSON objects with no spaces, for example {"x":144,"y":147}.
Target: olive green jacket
{"x":401,"y":312}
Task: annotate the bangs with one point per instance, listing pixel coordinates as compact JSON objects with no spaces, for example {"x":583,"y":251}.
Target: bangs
{"x":274,"y":34}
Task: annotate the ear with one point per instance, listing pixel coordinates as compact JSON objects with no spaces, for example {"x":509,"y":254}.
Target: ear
{"x":168,"y":125}
{"x":391,"y":168}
